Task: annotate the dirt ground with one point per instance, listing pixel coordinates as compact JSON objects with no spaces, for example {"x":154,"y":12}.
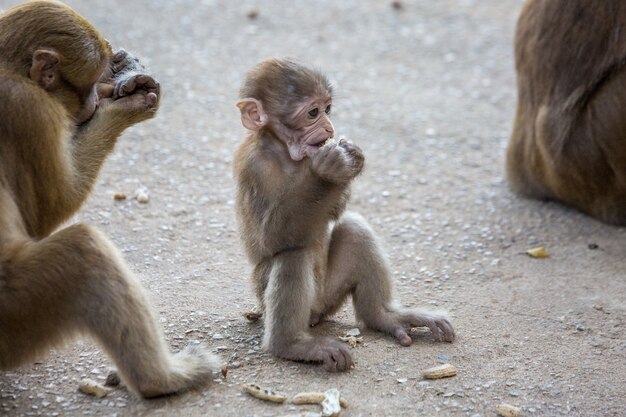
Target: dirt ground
{"x":428,"y":92}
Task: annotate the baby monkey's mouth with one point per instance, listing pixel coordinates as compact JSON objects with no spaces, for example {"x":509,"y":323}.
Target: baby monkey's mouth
{"x":314,"y":147}
{"x":323,"y":142}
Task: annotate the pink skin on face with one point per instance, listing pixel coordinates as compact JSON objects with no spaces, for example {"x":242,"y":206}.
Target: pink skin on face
{"x":313,"y":116}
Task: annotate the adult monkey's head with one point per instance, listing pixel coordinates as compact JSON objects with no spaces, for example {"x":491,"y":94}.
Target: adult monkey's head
{"x":59,"y":50}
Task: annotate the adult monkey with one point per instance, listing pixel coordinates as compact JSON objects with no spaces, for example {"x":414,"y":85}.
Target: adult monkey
{"x":309,"y":254}
{"x":569,"y":137}
{"x":57,"y":124}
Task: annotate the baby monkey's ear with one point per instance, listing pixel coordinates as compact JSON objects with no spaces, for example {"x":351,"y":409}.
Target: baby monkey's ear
{"x":253,"y":117}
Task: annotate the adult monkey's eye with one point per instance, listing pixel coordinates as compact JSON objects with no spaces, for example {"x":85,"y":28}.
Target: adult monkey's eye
{"x":327,"y":109}
{"x":314,"y":112}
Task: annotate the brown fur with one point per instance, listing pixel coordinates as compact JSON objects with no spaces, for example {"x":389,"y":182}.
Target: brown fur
{"x":55,"y":285}
{"x":308,"y":253}
{"x":569,"y":137}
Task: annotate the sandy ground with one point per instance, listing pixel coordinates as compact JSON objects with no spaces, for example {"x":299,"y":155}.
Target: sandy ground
{"x":428,"y":92}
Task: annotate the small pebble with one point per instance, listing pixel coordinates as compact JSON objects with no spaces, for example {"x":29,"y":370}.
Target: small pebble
{"x":508,"y":410}
{"x":143,"y":198}
{"x":353,"y":332}
{"x":142,"y":195}
{"x":90,"y":387}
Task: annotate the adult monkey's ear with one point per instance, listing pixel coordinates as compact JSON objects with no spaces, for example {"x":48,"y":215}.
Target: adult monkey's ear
{"x":253,"y":117}
{"x":45,"y":70}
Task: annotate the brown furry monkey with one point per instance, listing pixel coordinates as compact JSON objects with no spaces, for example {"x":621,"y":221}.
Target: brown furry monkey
{"x":569,"y":138}
{"x":64,"y":100}
{"x":308,"y":253}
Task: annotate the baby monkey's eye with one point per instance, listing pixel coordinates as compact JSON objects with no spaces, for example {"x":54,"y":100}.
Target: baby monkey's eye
{"x":328,"y":109}
{"x":314,"y":112}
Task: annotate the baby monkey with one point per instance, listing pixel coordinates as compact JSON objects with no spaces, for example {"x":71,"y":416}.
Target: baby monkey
{"x":308,"y":252}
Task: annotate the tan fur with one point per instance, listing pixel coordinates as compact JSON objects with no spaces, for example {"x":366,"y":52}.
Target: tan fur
{"x":569,"y":138}
{"x":56,"y":285}
{"x":308,"y":253}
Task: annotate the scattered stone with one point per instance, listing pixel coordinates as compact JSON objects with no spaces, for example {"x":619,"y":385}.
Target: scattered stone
{"x":352,"y":341}
{"x":352,"y":337}
{"x":330,"y":401}
{"x":90,"y":387}
{"x":441,"y":371}
{"x":354,"y":332}
{"x":252,"y":315}
{"x":507,"y":410}
{"x":264,"y":393}
{"x":539,"y":252}
{"x":119,"y":197}
{"x":252,"y":14}
{"x":331,"y":406}
{"x":142,"y":196}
